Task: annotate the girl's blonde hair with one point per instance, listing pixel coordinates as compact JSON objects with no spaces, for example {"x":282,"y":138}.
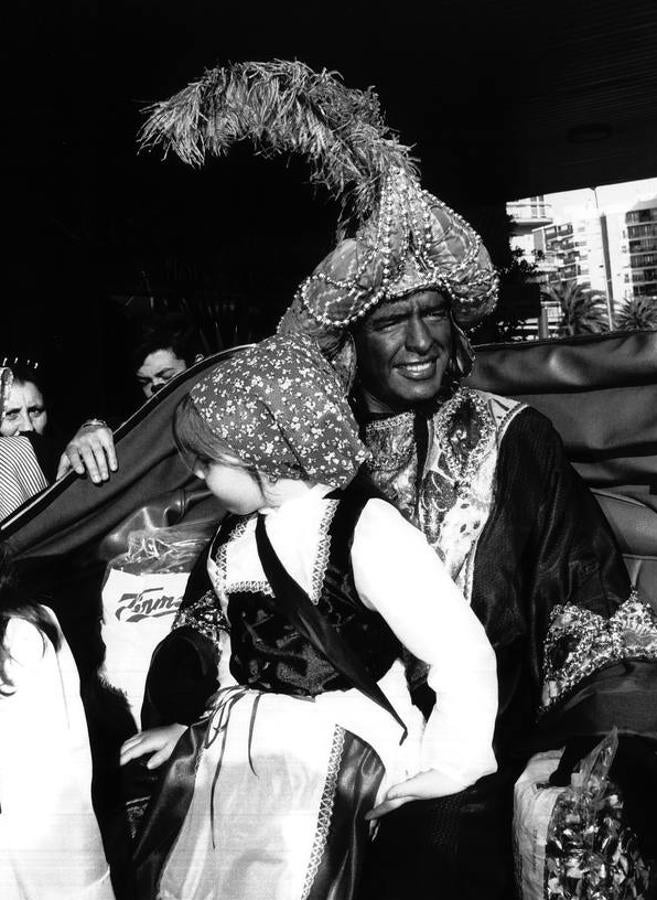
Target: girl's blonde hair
{"x":197,"y":443}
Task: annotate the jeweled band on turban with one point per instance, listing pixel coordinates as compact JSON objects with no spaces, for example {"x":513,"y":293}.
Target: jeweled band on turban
{"x":413,"y":242}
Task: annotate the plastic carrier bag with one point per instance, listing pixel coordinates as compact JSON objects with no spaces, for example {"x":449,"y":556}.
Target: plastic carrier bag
{"x":141,"y":593}
{"x":571,"y":843}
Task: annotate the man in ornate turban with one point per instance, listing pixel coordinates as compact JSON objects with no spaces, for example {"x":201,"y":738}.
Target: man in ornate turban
{"x":487,"y":481}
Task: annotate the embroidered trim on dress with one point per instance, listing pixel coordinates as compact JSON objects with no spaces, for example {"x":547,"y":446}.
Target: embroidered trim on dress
{"x":580,"y":642}
{"x":257,"y":586}
{"x":323,"y":551}
{"x":325,"y":813}
{"x":203,"y":615}
{"x":252,"y":586}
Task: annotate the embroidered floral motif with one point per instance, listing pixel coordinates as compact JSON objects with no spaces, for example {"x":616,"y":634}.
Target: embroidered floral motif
{"x":391,"y":441}
{"x":393,"y":465}
{"x":325,"y":811}
{"x":456,"y":495}
{"x":438,"y":496}
{"x":464,"y":426}
{"x":580,"y":642}
{"x":203,"y":615}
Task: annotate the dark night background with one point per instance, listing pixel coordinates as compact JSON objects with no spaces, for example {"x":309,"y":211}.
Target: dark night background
{"x":490,"y":94}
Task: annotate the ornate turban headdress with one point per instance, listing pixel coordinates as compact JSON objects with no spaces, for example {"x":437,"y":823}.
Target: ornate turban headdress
{"x":393,"y":237}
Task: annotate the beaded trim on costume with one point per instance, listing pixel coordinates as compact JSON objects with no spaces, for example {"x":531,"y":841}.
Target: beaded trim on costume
{"x":203,"y":615}
{"x":325,"y":811}
{"x":406,"y":218}
{"x":580,"y":642}
{"x":391,"y":442}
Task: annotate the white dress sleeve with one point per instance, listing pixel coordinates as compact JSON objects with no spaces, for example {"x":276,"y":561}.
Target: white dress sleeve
{"x":50,"y":843}
{"x":398,"y":574}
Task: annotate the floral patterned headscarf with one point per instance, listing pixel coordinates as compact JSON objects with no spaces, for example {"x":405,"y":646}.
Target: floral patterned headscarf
{"x":280,"y":407}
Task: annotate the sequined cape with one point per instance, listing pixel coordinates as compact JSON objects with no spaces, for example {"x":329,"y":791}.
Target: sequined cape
{"x":526,"y":541}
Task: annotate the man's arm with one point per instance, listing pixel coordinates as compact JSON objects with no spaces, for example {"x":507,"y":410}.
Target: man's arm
{"x":550,"y":577}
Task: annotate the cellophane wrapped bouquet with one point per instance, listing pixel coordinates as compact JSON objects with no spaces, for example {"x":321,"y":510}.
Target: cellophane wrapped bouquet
{"x":590,"y":852}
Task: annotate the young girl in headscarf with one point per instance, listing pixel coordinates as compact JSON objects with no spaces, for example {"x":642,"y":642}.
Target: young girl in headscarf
{"x":318,"y":588}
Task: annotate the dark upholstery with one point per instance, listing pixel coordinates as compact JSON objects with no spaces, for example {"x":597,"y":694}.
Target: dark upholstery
{"x":600,"y":393}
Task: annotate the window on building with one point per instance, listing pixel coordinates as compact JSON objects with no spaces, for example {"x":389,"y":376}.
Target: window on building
{"x":642,"y":215}
{"x":646,"y":259}
{"x":640,"y":246}
{"x":637,"y":231}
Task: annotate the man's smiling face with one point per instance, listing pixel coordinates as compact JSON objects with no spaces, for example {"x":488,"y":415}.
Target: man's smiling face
{"x":402,"y":349}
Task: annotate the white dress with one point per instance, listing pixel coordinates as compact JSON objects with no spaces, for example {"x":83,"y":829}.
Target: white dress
{"x":259,"y":819}
{"x":50,"y":844}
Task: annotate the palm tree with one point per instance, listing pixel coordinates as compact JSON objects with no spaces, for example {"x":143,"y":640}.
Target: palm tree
{"x":637,"y":314}
{"x":582,"y":311}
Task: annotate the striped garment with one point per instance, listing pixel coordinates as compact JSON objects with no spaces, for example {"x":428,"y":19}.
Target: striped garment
{"x":20,"y":474}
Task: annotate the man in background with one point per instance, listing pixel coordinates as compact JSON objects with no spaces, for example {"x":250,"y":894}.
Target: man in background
{"x":166,"y":348}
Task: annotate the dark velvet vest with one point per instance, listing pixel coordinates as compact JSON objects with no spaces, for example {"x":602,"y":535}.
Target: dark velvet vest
{"x":268,"y":653}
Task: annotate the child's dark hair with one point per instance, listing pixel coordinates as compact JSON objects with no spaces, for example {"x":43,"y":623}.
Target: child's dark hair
{"x":13,"y":604}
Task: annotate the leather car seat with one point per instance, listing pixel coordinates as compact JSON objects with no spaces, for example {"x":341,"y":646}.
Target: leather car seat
{"x":600,"y":392}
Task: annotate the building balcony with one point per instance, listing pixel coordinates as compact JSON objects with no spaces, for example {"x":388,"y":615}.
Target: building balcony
{"x":528,"y":215}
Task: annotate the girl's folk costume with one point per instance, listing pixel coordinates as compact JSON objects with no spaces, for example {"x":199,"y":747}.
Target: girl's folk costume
{"x":312,"y":604}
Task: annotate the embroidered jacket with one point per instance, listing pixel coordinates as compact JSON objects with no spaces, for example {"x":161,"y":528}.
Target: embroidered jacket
{"x":487,"y":481}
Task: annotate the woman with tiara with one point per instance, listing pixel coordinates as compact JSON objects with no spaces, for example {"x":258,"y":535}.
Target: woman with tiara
{"x":305,"y":733}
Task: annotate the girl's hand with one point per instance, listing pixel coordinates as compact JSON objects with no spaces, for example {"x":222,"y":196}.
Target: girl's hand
{"x":426,"y":786}
{"x":158,"y":741}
